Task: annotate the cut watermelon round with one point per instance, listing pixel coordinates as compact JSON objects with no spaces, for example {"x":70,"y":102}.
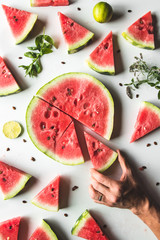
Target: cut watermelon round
{"x":87,"y":228}
{"x":84,"y":98}
{"x":148,"y":119}
{"x":48,"y":197}
{"x":141,"y":33}
{"x":45,"y":3}
{"x":102,"y":59}
{"x":8,"y":84}
{"x":9,"y":229}
{"x":44,"y":232}
{"x":48,"y":128}
{"x":12,"y":180}
{"x":101,"y":156}
{"x":21,"y":22}
{"x":76,"y":36}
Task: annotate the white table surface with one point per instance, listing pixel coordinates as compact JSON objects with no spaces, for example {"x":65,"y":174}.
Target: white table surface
{"x":121,"y":224}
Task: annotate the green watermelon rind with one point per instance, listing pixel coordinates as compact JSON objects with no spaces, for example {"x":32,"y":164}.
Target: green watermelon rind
{"x":73,"y":48}
{"x":109,"y":162}
{"x":60,"y":78}
{"x":80,"y":222}
{"x":106,"y":70}
{"x":43,"y":149}
{"x":20,"y":185}
{"x":47,"y":208}
{"x":27,"y":28}
{"x":136,"y":42}
{"x":47,"y":229}
{"x":9,"y":90}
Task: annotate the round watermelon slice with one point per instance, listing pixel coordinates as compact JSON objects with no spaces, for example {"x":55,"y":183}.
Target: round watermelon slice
{"x":48,"y":197}
{"x":46,"y":3}
{"x":9,"y":229}
{"x":84,"y":98}
{"x":12,"y":180}
{"x":48,"y":128}
{"x":102,"y":59}
{"x":148,"y":119}
{"x":141,"y":33}
{"x":102,"y":157}
{"x":76,"y":36}
{"x":21,"y":22}
{"x":87,"y":228}
{"x":44,"y":232}
{"x":8,"y":84}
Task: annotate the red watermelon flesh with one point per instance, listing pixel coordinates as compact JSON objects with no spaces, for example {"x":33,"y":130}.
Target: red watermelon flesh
{"x":12,"y":180}
{"x":48,"y":197}
{"x":148,"y":119}
{"x":86,"y":227}
{"x":8,"y":84}
{"x":9,"y":229}
{"x":44,"y":232}
{"x":101,"y":156}
{"x":102,"y":58}
{"x":75,"y":35}
{"x":84,"y":98}
{"x":68,"y":149}
{"x":141,"y":32}
{"x":21,"y":22}
{"x":45,"y":3}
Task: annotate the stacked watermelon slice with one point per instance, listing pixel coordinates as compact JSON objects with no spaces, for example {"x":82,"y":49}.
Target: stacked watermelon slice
{"x":50,"y":114}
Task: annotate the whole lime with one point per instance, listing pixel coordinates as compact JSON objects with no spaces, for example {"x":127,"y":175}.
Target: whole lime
{"x":102,"y":12}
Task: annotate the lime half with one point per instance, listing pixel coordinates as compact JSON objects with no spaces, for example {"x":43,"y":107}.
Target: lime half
{"x":102,"y":12}
{"x":12,"y":129}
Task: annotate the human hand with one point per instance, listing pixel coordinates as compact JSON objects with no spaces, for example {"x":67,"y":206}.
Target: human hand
{"x":124,"y":193}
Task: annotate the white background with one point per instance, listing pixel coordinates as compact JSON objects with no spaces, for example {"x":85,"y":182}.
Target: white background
{"x":121,"y":224}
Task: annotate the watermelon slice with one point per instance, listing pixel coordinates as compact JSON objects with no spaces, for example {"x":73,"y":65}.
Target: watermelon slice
{"x":21,"y":22}
{"x":8,"y":84}
{"x":102,"y":59}
{"x":101,"y":156}
{"x":87,"y":228}
{"x":84,"y":98}
{"x":12,"y":180}
{"x":48,"y":198}
{"x":141,"y":33}
{"x":9,"y":229}
{"x":46,"y":3}
{"x":44,"y":232}
{"x":148,"y":119}
{"x":75,"y":35}
{"x":47,"y":126}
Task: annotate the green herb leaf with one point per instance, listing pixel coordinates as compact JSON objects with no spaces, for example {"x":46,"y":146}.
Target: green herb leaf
{"x":44,"y":44}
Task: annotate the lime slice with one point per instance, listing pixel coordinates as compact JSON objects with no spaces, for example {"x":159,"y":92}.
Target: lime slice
{"x":102,"y":12}
{"x":12,"y":129}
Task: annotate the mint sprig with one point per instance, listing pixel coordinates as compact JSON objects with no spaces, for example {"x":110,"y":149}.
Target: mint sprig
{"x":43,"y":45}
{"x":144,"y":74}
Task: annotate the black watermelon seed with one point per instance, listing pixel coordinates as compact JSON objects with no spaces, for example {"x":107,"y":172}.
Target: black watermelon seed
{"x":33,"y":159}
{"x":63,"y":62}
{"x":155,"y":143}
{"x":4,"y":180}
{"x":65,"y":214}
{"x":48,"y":138}
{"x":1,"y":172}
{"x":14,"y":108}
{"x":52,"y":195}
{"x":24,"y":140}
{"x":129,"y":11}
{"x":137,"y":95}
{"x":8,"y":149}
{"x":148,"y":145}
{"x":24,"y":201}
{"x":20,"y":57}
{"x":120,"y":84}
{"x":79,"y":9}
{"x":157,"y":184}
{"x":10,"y":227}
{"x":52,"y":189}
{"x":74,"y":188}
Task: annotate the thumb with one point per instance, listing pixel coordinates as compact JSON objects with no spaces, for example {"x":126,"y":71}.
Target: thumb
{"x":124,"y":165}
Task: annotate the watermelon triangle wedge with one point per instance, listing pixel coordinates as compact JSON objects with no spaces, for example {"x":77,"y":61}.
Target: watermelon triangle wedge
{"x":48,"y":197}
{"x":8,"y":84}
{"x":21,"y":22}
{"x":86,"y":227}
{"x":76,"y":36}
{"x":9,"y":229}
{"x":12,"y":180}
{"x":101,"y":156}
{"x":102,"y":58}
{"x":46,"y":3}
{"x":141,"y":32}
{"x":148,"y":119}
{"x":43,"y":232}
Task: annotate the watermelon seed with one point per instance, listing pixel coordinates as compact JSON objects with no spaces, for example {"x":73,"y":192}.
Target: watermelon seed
{"x":129,"y":11}
{"x":148,"y":145}
{"x":69,"y":91}
{"x":14,"y":108}
{"x":79,"y":9}
{"x":16,"y":19}
{"x":66,"y":215}
{"x":1,"y":172}
{"x":8,"y":149}
{"x":150,"y":31}
{"x":120,"y":84}
{"x":42,"y":125}
{"x":33,"y":159}
{"x":47,"y":114}
{"x":24,"y":201}
{"x":3,"y":71}
{"x":155,"y":143}
{"x":86,"y":105}
{"x":48,"y":138}
{"x":157,"y":184}
{"x":93,"y":125}
{"x":75,"y":102}
{"x":52,"y":195}
{"x":81,"y":97}
{"x":106,"y":46}
{"x":140,"y":28}
{"x":52,"y":127}
{"x":20,"y":57}
{"x":141,"y":21}
{"x":10,"y":227}
{"x":4,"y":180}
{"x":137,"y":95}
{"x":74,"y":188}
{"x":97,"y":231}
{"x":54,"y":99}
{"x":52,"y":189}
{"x":72,"y":24}
{"x":63,"y":147}
{"x":63,"y":62}
{"x":55,"y":114}
{"x":14,"y":16}
{"x":24,"y":140}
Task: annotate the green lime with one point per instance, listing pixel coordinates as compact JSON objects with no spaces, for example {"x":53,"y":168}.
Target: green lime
{"x":12,"y":129}
{"x":102,"y":12}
